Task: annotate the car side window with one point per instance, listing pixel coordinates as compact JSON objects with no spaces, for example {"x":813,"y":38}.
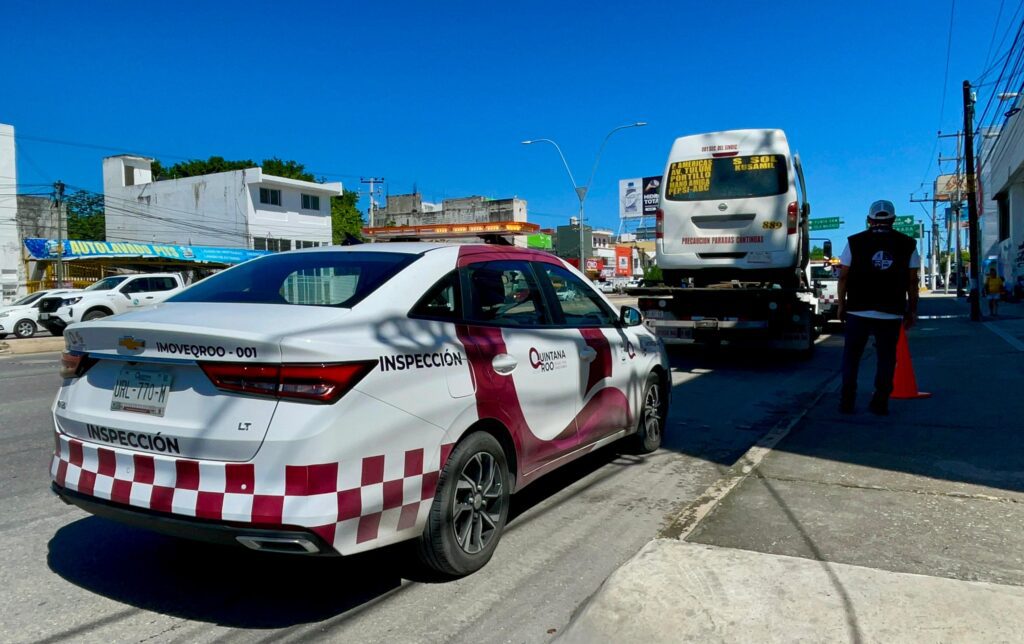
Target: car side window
{"x":581,"y":306}
{"x":505,"y":293}
{"x":442,"y":302}
{"x":161,"y":284}
{"x":138,"y":285}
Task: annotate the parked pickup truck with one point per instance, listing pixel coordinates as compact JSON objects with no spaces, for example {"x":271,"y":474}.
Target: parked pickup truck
{"x":109,"y":296}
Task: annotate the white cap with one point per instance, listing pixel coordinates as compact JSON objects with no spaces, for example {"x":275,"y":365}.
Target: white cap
{"x":882,"y":210}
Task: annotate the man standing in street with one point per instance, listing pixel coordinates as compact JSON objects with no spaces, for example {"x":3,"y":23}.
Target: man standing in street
{"x":878,"y":293}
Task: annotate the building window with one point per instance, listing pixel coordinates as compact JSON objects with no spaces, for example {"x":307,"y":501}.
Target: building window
{"x":271,"y":243}
{"x":1004,"y":217}
{"x":310,"y":202}
{"x":272,"y":197}
{"x":299,"y":243}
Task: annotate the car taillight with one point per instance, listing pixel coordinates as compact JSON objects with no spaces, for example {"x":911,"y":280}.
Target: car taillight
{"x":792,"y":218}
{"x":319,"y":382}
{"x":659,"y":224}
{"x":74,"y":364}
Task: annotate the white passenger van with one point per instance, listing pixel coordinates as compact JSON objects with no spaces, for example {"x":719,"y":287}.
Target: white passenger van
{"x":733,"y":207}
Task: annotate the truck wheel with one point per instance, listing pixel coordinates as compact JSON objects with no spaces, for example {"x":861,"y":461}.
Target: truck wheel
{"x":470,"y":508}
{"x":94,"y":315}
{"x":25,"y":329}
{"x":653,"y":410}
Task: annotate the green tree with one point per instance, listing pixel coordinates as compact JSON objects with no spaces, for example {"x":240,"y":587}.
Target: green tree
{"x":198,"y":167}
{"x":287,"y":169}
{"x":346,"y":220}
{"x":85,"y":216}
{"x":817,"y":252}
{"x":653,"y":275}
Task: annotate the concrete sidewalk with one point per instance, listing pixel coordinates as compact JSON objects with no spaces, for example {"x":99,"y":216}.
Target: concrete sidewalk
{"x":673,"y":591}
{"x":931,"y":498}
{"x":20,"y":346}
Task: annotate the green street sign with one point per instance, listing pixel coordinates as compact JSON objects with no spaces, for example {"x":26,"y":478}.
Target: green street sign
{"x":825,"y":223}
{"x":913,"y":230}
{"x":904,"y":221}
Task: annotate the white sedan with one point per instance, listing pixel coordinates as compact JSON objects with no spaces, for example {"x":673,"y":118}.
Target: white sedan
{"x":336,"y":400}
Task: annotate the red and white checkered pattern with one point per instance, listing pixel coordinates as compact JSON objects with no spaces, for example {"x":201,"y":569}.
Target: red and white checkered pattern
{"x":348,"y":503}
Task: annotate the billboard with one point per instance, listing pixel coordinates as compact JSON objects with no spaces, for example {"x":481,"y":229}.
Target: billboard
{"x":638,"y":197}
{"x":623,"y":261}
{"x":947,"y":186}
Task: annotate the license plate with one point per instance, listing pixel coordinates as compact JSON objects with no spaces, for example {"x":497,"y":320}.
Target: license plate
{"x":759,"y":257}
{"x":706,"y":324}
{"x":142,"y":391}
{"x":44,"y":316}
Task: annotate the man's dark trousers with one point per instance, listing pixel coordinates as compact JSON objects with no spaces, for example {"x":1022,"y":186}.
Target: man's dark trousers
{"x":887,"y":334}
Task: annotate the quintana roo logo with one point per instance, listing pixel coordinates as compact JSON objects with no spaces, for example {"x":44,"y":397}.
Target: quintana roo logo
{"x":882,"y":260}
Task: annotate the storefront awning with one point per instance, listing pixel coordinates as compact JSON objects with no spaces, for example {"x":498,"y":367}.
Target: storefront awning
{"x":75,"y":250}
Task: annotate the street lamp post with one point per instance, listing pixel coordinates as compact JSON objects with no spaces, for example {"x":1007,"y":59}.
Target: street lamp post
{"x":581,"y":191}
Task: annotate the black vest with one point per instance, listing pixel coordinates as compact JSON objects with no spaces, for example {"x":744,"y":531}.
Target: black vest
{"x":879,"y":271}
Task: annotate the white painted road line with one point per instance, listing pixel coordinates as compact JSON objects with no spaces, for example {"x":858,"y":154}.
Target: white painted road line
{"x":694,"y":513}
{"x":1011,"y":340}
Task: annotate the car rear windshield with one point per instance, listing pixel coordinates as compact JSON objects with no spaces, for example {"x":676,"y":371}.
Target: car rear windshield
{"x":307,"y":279}
{"x":762,"y":175}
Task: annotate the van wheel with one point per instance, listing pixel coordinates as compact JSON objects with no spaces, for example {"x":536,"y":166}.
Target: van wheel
{"x":470,"y":508}
{"x":25,"y":329}
{"x":653,"y":410}
{"x":94,"y":315}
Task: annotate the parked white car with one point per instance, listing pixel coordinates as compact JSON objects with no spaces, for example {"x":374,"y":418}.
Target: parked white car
{"x":337,"y":400}
{"x":22,"y":317}
{"x":109,"y":296}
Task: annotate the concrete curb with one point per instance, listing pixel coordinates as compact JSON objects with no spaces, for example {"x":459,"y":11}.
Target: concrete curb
{"x":674,"y":591}
{"x":31,"y":345}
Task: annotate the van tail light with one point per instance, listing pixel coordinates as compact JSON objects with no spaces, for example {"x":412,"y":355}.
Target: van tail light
{"x":317,"y":382}
{"x":792,"y":218}
{"x":659,"y":224}
{"x":74,"y":364}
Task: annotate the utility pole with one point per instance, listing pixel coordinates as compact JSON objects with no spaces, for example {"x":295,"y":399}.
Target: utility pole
{"x":972,"y":205}
{"x":58,"y":201}
{"x":373,"y":181}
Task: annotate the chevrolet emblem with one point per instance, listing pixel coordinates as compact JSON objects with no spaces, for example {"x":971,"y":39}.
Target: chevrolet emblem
{"x":130,"y":343}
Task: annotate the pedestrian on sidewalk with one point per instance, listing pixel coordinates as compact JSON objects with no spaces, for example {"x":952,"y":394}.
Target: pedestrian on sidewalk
{"x":993,"y":291}
{"x":878,"y":293}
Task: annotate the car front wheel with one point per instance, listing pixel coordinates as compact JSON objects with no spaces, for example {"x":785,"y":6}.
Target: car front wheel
{"x":470,"y":508}
{"x":654,"y":408}
{"x":25,"y":329}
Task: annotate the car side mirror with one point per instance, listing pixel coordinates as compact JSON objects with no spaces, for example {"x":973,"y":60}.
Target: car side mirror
{"x":628,"y":316}
{"x":827,"y":250}
{"x":126,"y":295}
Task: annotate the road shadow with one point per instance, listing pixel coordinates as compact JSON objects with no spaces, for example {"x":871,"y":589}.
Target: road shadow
{"x":239,"y":588}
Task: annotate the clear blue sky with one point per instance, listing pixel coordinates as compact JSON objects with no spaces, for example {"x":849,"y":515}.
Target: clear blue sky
{"x":439,"y":95}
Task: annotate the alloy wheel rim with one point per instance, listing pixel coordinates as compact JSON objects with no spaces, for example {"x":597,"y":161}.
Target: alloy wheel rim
{"x":652,"y":412}
{"x":478,"y":503}
{"x":23,"y":329}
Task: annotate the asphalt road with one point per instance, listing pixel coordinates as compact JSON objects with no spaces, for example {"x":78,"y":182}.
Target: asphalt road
{"x":68,"y":575}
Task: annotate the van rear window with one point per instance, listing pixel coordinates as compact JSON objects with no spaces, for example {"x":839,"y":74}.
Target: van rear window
{"x":762,"y":175}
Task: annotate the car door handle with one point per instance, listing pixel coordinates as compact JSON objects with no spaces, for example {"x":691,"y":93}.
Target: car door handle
{"x":504,"y":364}
{"x":149,"y":297}
{"x":587,"y":354}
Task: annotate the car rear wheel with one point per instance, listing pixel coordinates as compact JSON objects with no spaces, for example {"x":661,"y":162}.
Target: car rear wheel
{"x":653,"y":410}
{"x":94,"y":315}
{"x":25,"y":329}
{"x":470,"y":508}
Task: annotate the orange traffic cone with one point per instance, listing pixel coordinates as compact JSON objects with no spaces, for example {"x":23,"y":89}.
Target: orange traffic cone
{"x":904,"y":384}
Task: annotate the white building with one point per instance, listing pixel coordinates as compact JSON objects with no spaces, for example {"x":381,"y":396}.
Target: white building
{"x":1002,"y":197}
{"x":10,"y":245}
{"x":238,"y":209}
